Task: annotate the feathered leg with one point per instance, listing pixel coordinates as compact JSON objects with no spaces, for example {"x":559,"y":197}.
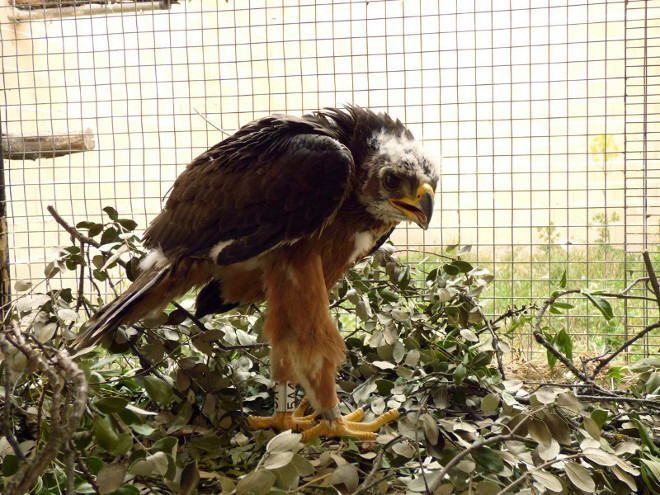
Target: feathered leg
{"x":299,"y":325}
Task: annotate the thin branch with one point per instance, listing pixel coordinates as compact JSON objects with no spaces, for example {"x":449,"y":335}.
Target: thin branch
{"x":378,"y":460}
{"x":211,"y":123}
{"x":652,"y":278}
{"x":541,"y":339}
{"x":624,"y":346}
{"x":82,"y":465}
{"x":72,"y":231}
{"x":496,"y":340}
{"x":7,"y":427}
{"x":462,"y":455}
{"x":629,"y":400}
{"x":510,"y":313}
{"x":537,"y":468}
{"x":76,"y":234}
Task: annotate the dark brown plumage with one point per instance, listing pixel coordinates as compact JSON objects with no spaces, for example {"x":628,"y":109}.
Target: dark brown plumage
{"x":278,"y":212}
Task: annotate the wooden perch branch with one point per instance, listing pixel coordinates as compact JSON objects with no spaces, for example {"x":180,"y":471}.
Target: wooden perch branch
{"x":32,"y":10}
{"x":53,"y":4}
{"x":33,"y":147}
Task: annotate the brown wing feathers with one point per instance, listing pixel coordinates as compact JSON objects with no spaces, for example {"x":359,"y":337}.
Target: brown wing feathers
{"x":290,"y":180}
{"x":277,"y":179}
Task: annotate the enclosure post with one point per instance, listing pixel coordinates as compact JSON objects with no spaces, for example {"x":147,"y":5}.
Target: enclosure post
{"x":5,"y":286}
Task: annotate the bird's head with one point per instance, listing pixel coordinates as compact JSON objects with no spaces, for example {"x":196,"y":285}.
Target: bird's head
{"x":401,"y":180}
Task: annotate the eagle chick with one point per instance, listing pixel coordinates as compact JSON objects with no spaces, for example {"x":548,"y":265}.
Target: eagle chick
{"x":278,"y":212}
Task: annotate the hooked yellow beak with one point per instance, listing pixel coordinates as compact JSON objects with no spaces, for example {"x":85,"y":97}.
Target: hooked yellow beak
{"x":420,"y":208}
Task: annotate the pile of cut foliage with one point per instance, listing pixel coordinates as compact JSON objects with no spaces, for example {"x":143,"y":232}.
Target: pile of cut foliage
{"x":167,"y":414}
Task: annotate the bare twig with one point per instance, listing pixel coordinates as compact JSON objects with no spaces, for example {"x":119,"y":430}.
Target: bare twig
{"x":72,"y":231}
{"x":7,"y":427}
{"x":81,"y":281}
{"x":652,"y":278}
{"x":422,"y":405}
{"x":76,"y":234}
{"x":630,"y":400}
{"x":69,"y":470}
{"x":211,"y":123}
{"x":64,"y":418}
{"x":82,"y":465}
{"x":378,"y":460}
{"x":510,"y":313}
{"x":541,"y":339}
{"x":656,"y":289}
{"x":496,"y":340}
{"x":462,"y":455}
{"x":537,"y":468}
{"x":624,"y":346}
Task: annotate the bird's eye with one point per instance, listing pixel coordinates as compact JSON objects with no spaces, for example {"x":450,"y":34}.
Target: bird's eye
{"x":391,"y":180}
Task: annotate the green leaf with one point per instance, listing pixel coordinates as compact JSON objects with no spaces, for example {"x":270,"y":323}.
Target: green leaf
{"x":601,"y":304}
{"x":22,"y":285}
{"x":384,"y":387}
{"x":459,"y":374}
{"x":599,"y":416}
{"x":482,"y":358}
{"x":127,"y":490}
{"x":105,"y":434}
{"x":109,"y":405}
{"x":564,"y":344}
{"x":645,"y":437}
{"x":159,"y":390}
{"x":95,"y":229}
{"x":166,"y":445}
{"x":85,"y":224}
{"x":189,"y":479}
{"x":124,"y":444}
{"x":94,"y":464}
{"x":451,"y":269}
{"x":463,"y":266}
{"x":10,"y":465}
{"x":109,"y":235}
{"x":127,"y":223}
{"x":112,"y":213}
{"x":562,"y":282}
{"x":388,"y":295}
{"x":256,"y":483}
{"x":488,"y":458}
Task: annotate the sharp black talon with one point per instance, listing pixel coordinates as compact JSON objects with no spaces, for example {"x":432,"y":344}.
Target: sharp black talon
{"x":402,"y":410}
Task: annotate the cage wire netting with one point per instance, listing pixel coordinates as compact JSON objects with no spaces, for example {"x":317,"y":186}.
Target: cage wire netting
{"x":546,"y":115}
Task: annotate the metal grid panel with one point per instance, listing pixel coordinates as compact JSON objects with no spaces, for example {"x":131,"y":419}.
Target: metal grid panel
{"x":548,"y":117}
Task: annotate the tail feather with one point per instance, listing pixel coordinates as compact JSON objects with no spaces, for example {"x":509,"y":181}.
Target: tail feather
{"x":127,"y":308}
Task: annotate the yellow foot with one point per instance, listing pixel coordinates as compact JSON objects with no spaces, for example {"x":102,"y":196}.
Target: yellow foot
{"x":295,"y":421}
{"x":350,"y":426}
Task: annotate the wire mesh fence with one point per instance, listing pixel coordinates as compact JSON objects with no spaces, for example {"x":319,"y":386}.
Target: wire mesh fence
{"x":546,"y":115}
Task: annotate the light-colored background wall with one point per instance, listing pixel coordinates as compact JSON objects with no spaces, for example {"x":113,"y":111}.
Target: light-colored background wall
{"x":513,"y":98}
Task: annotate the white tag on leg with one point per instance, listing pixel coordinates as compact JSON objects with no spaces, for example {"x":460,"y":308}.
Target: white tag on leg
{"x":285,"y":397}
